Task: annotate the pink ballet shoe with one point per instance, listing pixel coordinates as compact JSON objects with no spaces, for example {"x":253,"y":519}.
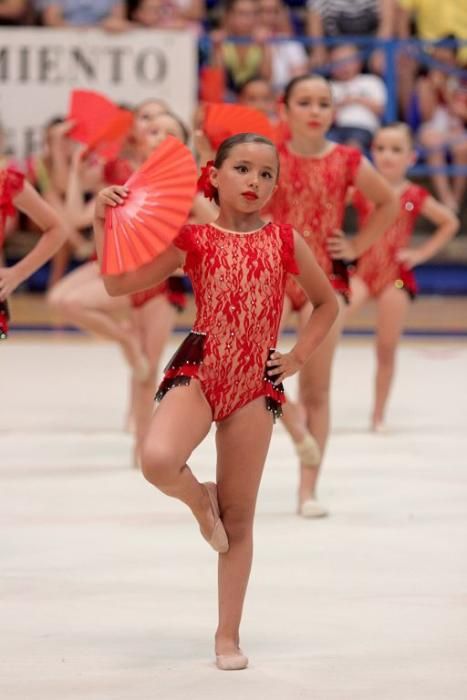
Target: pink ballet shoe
{"x":218,"y":538}
{"x":231,"y":662}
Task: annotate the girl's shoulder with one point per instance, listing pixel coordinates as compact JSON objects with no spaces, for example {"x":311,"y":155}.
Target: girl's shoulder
{"x":11,"y":184}
{"x":188,"y":235}
{"x":413,"y":197}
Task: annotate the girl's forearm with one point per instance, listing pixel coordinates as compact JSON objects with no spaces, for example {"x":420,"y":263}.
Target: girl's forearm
{"x":48,"y":244}
{"x":316,"y":329}
{"x":378,"y":222}
{"x":438,"y":240}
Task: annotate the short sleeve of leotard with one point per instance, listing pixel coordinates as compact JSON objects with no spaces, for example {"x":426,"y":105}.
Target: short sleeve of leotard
{"x":354,"y":159}
{"x":288,"y":249}
{"x":11,"y":184}
{"x":185,"y":240}
{"x":415,"y":195}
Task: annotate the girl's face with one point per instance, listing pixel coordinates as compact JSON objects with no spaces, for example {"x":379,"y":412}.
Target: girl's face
{"x":392,"y":153}
{"x":247,"y":177}
{"x":258,"y":94}
{"x":144,"y":118}
{"x":310,"y":110}
{"x":240,"y":21}
{"x":162,"y":126}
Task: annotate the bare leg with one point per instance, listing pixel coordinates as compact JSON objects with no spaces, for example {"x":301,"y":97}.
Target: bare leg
{"x":315,"y":380}
{"x":153,"y":323}
{"x":359,"y":296}
{"x":82,"y":299}
{"x":393,"y":305}
{"x":242,"y":445}
{"x":59,"y":264}
{"x":182,"y":420}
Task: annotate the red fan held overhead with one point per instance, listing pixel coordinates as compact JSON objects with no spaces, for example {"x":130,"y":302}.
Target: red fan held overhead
{"x":91,"y":112}
{"x":108,"y":141}
{"x":160,"y":197}
{"x":224,"y":120}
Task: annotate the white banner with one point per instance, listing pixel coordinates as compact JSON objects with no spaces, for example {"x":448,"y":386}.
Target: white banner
{"x":39,"y":67}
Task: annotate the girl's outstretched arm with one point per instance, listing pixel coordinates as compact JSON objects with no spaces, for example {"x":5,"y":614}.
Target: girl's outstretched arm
{"x":447,"y":226}
{"x":53,"y":236}
{"x":147,"y":276}
{"x":377,"y":190}
{"x":325,"y":310}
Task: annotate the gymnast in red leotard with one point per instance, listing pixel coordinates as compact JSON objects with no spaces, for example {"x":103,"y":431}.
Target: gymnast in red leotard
{"x":15,"y":192}
{"x":316,"y":175}
{"x":384,"y":271}
{"x":227,"y":369}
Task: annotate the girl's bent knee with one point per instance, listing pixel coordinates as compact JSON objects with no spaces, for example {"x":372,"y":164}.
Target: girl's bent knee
{"x":315,"y":398}
{"x":157,"y":464}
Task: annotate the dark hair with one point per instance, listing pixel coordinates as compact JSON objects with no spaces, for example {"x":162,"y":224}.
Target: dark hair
{"x":252,"y":81}
{"x":401,"y":126}
{"x":181,"y":124}
{"x":226,"y":146}
{"x":289,"y":88}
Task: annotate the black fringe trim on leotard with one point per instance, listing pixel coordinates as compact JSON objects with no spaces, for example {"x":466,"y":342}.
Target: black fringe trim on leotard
{"x":4,"y":318}
{"x":276,"y":397}
{"x":184,"y":364}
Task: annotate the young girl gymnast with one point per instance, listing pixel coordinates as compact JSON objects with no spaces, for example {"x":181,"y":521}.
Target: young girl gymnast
{"x":311,"y":195}
{"x":227,"y":369}
{"x":16,"y":192}
{"x":384,"y":271}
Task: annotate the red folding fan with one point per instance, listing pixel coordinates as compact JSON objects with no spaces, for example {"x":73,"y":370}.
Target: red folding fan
{"x":108,"y":141}
{"x":91,"y":112}
{"x":160,"y":198}
{"x":224,"y":120}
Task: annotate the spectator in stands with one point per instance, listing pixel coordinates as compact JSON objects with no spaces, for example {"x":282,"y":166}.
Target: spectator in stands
{"x":432,"y":20}
{"x":359,"y":98}
{"x":289,"y":58}
{"x":334,"y":18}
{"x":106,"y":14}
{"x":258,"y":93}
{"x":168,"y":14}
{"x":13,"y":12}
{"x":246,"y":60}
{"x":441,"y":100}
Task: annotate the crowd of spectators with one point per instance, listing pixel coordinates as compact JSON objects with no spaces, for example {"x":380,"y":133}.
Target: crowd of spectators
{"x":252,"y":48}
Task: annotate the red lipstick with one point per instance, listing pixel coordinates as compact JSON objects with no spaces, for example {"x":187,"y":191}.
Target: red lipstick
{"x":314,"y":123}
{"x":250,"y":195}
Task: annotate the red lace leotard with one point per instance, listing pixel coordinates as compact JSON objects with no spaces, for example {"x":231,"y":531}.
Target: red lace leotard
{"x":239,"y":283}
{"x":378,"y":266}
{"x":311,"y":196}
{"x":117,"y":172}
{"x":11,"y":184}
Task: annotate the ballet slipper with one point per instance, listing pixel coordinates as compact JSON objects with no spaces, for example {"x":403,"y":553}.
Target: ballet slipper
{"x":231,"y":662}
{"x":218,"y":537}
{"x":379,"y":427}
{"x":308,"y":451}
{"x":311,"y":508}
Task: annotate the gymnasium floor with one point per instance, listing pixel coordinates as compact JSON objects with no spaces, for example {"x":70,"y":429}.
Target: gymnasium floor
{"x":108,"y":590}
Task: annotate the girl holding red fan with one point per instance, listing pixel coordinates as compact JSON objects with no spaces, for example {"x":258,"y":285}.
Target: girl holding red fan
{"x":311,"y":195}
{"x":15,"y":192}
{"x":384,"y":271}
{"x":227,"y":369}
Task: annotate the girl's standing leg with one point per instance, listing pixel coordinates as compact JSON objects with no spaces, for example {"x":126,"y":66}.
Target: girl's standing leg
{"x":153,"y":323}
{"x":393,"y":305}
{"x":181,"y":421}
{"x":459,"y":153}
{"x":315,"y":382}
{"x":242,"y":445}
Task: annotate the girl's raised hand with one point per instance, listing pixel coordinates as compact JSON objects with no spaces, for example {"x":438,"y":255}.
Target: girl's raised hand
{"x":282,"y":366}
{"x":110,"y":197}
{"x":340,"y":247}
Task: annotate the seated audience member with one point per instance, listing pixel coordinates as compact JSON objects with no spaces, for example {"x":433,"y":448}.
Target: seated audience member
{"x":14,"y":12}
{"x":246,"y":60}
{"x":106,"y":14}
{"x":289,"y":58}
{"x":359,"y":99}
{"x":258,"y":93}
{"x":168,"y":14}
{"x":441,"y":102}
{"x":335,"y":18}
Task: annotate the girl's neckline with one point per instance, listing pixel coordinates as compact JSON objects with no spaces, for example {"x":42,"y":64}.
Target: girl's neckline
{"x":311,"y":157}
{"x":239,"y":233}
